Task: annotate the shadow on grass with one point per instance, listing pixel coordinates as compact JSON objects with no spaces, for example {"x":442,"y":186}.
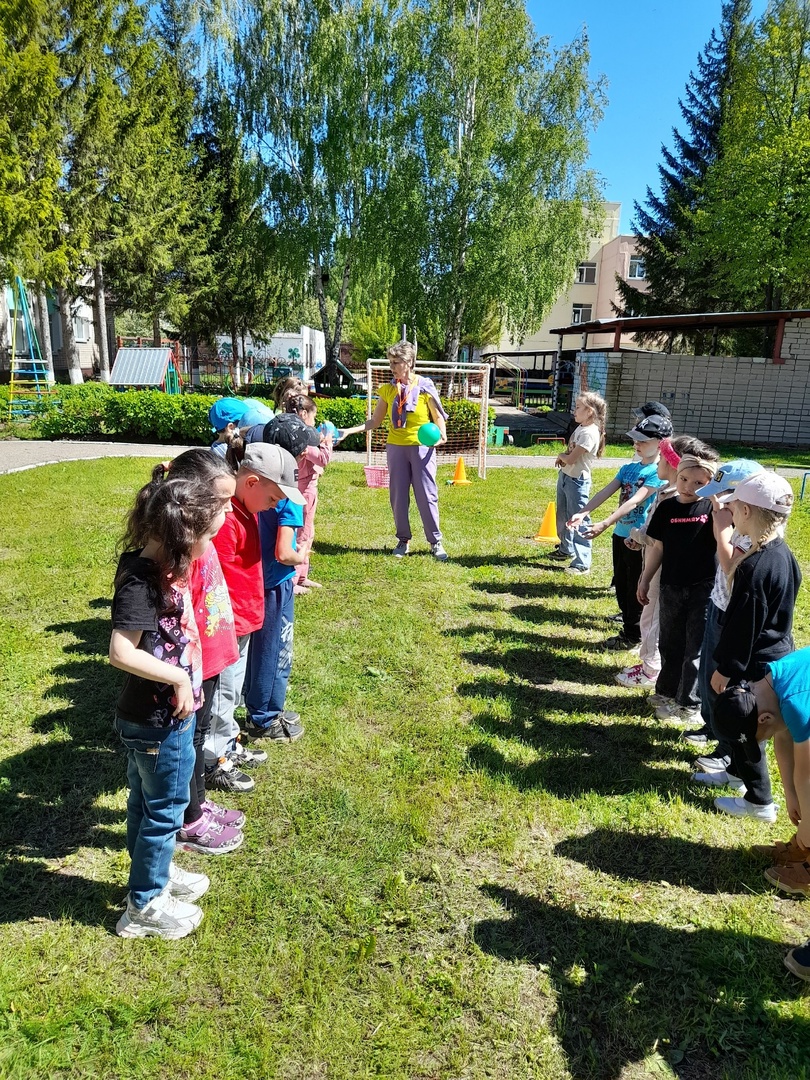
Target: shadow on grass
{"x":701,"y":998}
{"x":539,"y":590}
{"x":34,"y":891}
{"x":49,"y":792}
{"x":636,"y":856}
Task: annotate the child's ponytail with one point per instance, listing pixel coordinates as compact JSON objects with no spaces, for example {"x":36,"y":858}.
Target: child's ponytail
{"x":768,"y":522}
{"x":598,"y":407}
{"x":235,"y":453}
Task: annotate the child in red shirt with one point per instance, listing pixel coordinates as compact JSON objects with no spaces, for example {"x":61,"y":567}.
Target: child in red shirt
{"x":261,"y":483}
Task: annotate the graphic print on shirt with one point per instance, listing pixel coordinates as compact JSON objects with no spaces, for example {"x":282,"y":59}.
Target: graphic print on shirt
{"x":177,"y":643}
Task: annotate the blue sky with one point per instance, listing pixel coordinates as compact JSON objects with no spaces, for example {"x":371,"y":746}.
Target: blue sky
{"x":646,"y":49}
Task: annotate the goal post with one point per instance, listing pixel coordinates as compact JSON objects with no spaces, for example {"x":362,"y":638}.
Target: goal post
{"x":459,"y":382}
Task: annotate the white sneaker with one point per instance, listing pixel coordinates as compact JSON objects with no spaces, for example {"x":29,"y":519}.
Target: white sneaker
{"x":186,"y":886}
{"x":633,"y":677}
{"x":438,"y":552}
{"x":719,"y":779}
{"x":740,"y":807}
{"x":162,"y":917}
{"x":401,"y":550}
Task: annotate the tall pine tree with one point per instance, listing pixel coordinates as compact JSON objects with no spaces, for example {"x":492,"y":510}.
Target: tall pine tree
{"x":665,"y":225}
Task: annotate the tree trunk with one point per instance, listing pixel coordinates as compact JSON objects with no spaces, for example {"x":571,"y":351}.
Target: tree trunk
{"x":70,"y":350}
{"x":44,"y":332}
{"x":156,"y":334}
{"x":100,"y":323}
{"x":237,"y":366}
{"x":320,"y":295}
{"x":341,"y":308}
{"x":452,"y":337}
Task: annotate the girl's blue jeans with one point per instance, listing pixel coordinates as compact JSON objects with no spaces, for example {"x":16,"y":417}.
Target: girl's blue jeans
{"x":572,"y":494}
{"x":270,"y":657}
{"x":160,"y":764}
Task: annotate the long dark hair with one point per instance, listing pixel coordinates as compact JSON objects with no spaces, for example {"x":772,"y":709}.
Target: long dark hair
{"x":175,"y":513}
{"x":198,"y":464}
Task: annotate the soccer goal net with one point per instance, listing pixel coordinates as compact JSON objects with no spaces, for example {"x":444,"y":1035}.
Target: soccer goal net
{"x":464,"y":390}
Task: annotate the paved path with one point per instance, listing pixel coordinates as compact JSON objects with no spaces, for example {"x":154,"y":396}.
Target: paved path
{"x":19,"y":454}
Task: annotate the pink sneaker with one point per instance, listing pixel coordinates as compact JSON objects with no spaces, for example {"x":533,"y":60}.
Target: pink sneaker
{"x":234,"y":818}
{"x":208,"y":837}
{"x":633,"y":677}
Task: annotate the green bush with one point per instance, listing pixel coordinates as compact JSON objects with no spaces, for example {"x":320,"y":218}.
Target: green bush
{"x":95,"y":410}
{"x":343,"y":413}
{"x":76,"y":410}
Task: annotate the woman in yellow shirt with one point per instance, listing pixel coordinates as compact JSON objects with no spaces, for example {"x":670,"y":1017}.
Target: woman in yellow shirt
{"x":410,"y":401}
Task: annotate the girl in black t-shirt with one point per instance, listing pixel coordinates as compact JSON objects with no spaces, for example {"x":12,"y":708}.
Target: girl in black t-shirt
{"x":684,"y":548}
{"x":155,"y":640}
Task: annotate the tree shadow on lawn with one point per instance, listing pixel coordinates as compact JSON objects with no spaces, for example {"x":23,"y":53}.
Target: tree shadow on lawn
{"x":49,"y":791}
{"x":543,"y":658}
{"x":626,"y":989}
{"x":599,"y":760}
{"x":539,"y":590}
{"x":634,"y":856}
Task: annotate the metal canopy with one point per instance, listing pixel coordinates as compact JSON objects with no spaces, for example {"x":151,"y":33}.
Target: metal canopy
{"x":666,"y":323}
{"x":140,"y":367}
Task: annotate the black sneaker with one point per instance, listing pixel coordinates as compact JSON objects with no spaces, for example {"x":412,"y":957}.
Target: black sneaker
{"x":282,"y":729}
{"x":225,"y":776}
{"x":619,"y":642}
{"x":698,"y":737}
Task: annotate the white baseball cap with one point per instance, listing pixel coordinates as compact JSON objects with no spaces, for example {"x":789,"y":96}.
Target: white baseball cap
{"x":767,"y":490}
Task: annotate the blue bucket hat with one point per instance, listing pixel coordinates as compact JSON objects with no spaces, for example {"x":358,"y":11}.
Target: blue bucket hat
{"x":728,"y":477}
{"x":227,"y":410}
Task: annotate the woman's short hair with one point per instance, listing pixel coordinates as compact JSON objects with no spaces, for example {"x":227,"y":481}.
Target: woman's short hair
{"x":404,"y":352}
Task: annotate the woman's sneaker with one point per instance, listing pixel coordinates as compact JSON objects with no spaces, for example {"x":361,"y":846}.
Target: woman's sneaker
{"x":208,"y":837}
{"x":438,"y":552}
{"x":225,"y":776}
{"x":633,"y":677}
{"x":739,"y":807}
{"x":186,"y":886}
{"x":793,"y":878}
{"x":235,"y":819}
{"x":402,"y":549}
{"x":163,"y":917}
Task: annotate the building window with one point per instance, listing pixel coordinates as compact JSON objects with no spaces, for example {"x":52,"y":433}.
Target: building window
{"x":637,"y":267}
{"x":81,"y":328}
{"x":581,"y":313}
{"x":586,"y":274}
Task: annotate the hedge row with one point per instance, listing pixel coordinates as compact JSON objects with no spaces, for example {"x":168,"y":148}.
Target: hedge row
{"x":96,"y":410}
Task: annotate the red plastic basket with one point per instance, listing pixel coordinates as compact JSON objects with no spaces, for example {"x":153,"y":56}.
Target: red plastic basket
{"x":376,"y":475}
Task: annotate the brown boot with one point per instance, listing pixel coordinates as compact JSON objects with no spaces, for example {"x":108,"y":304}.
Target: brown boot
{"x":781,"y":853}
{"x":793,"y":878}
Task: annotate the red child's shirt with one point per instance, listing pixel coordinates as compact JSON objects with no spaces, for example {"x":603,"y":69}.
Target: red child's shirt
{"x":213,"y":613}
{"x":240,"y":554}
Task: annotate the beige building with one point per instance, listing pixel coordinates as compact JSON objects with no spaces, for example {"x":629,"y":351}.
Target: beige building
{"x":593,"y":291}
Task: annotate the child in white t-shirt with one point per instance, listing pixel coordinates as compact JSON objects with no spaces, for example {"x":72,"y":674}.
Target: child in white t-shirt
{"x":574,"y":480}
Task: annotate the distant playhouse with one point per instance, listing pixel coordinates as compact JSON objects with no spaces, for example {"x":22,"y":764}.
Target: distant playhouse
{"x":142,"y":367}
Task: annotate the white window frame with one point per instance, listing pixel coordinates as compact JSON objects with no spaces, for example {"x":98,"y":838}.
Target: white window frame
{"x":636,"y":262}
{"x":577,"y":314}
{"x":582,"y":274}
{"x":81,"y":329}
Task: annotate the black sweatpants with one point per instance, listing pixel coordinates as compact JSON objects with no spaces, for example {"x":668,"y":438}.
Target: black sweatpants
{"x":626,"y":572}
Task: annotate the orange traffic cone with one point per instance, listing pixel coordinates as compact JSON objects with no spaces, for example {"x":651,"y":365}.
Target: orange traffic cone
{"x":460,"y":475}
{"x":548,"y":529}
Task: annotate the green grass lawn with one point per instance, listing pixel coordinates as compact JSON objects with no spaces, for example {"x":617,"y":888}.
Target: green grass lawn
{"x":484,"y":859}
